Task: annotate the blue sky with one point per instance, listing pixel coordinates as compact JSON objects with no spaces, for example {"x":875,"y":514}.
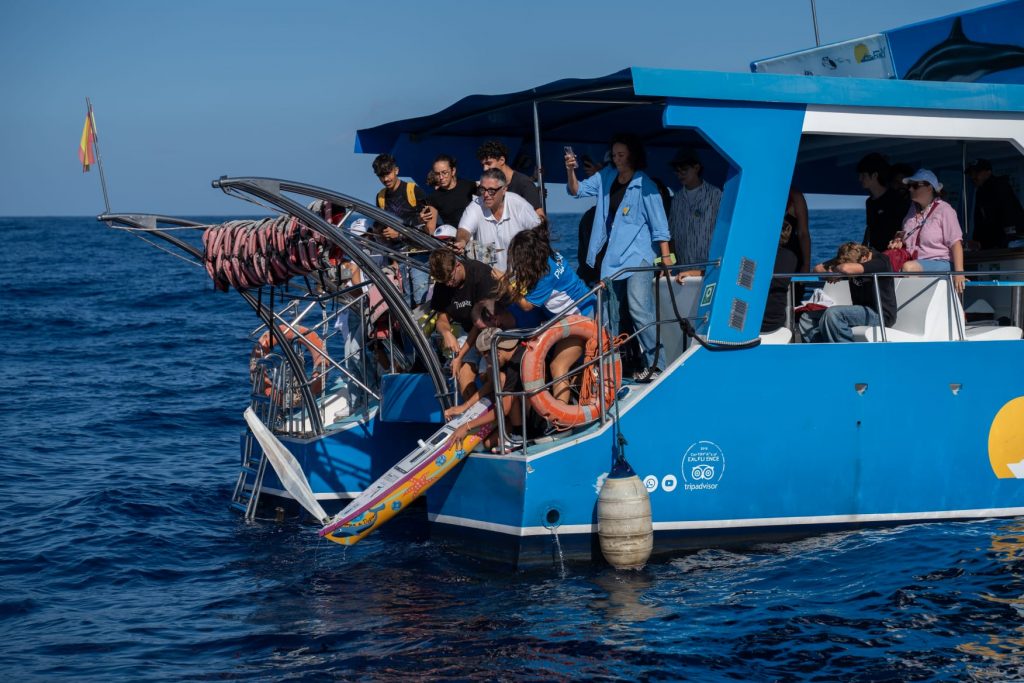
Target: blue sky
{"x":187,"y":91}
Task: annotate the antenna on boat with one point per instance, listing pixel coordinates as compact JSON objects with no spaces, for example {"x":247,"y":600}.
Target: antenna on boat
{"x":814,"y":20}
{"x":89,"y":135}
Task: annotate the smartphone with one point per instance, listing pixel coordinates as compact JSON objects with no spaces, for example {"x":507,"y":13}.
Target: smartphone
{"x":568,"y":151}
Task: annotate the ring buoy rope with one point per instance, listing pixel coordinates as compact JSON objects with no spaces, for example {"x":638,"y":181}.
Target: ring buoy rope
{"x":311,"y":341}
{"x":560,"y":414}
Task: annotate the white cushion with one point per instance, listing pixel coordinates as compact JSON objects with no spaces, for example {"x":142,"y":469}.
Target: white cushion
{"x":922,"y":313}
{"x":780,"y":336}
{"x":993,"y":333}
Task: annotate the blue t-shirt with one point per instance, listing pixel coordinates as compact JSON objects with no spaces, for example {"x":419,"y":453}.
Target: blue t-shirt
{"x":558,"y":288}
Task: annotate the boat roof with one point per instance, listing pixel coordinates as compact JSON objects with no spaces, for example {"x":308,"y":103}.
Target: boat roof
{"x":584,"y":113}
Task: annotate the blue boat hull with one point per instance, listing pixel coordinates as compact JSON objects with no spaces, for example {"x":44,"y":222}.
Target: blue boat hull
{"x":343,"y":462}
{"x":729,"y":460}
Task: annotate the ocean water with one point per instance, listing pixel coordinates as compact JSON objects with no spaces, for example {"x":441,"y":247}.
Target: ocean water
{"x":123,"y":383}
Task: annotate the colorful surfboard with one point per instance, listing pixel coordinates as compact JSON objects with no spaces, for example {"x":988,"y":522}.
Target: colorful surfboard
{"x":407,"y":480}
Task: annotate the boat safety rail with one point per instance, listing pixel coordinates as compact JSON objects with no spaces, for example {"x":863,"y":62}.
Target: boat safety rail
{"x":603,"y":361}
{"x":279,"y":194}
{"x":688,"y":324}
{"x":274,"y":385}
{"x":975,"y":282}
{"x":323,"y":328}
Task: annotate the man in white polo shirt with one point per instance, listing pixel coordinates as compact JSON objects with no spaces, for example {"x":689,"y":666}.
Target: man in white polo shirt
{"x":491,"y":220}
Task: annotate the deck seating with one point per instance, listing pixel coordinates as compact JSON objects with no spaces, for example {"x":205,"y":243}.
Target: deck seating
{"x":992,"y":332}
{"x":783,"y":335}
{"x":922,"y":313}
{"x":987,"y":331}
{"x":838,"y":291}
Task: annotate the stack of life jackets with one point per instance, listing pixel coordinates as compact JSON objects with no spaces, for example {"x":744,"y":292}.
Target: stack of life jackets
{"x":249,"y":253}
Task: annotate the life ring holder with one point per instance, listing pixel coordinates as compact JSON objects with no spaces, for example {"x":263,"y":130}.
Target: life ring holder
{"x":313,"y":343}
{"x":560,"y":414}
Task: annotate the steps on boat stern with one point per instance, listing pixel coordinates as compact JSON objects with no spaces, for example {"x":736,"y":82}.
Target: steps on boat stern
{"x":249,"y":484}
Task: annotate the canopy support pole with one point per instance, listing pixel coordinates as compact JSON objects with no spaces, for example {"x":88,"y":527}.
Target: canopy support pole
{"x":969,"y":233}
{"x":536,"y":147}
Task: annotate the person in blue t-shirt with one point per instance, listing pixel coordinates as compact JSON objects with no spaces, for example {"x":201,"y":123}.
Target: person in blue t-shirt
{"x":538,"y":277}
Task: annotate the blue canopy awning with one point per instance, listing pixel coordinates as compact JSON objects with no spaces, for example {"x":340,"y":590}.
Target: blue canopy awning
{"x":586,"y":113}
{"x":581,"y":112}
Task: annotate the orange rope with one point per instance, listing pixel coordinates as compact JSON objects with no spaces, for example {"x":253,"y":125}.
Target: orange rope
{"x":588,"y":384}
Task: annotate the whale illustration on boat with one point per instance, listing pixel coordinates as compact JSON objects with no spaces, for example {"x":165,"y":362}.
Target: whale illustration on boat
{"x":958,"y":58}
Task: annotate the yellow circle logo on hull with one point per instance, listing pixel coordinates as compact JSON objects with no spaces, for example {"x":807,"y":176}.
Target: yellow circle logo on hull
{"x":1006,"y":441}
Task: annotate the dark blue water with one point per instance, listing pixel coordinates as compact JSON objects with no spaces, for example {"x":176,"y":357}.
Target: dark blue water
{"x":124,"y":379}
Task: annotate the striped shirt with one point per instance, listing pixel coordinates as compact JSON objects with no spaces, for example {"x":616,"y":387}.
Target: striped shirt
{"x":691,"y":221}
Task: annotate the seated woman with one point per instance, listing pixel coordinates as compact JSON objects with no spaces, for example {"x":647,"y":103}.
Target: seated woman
{"x":931,"y":231}
{"x":510,"y":358}
{"x":539,"y":277}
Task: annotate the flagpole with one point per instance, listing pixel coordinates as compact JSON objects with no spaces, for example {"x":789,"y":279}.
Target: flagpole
{"x":99,"y":157}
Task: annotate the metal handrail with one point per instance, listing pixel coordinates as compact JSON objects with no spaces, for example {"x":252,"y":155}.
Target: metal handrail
{"x":603,"y":357}
{"x":947,"y":276}
{"x":271,"y":189}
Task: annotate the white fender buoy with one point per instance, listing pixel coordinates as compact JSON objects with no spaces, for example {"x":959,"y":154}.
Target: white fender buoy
{"x":624,"y":526}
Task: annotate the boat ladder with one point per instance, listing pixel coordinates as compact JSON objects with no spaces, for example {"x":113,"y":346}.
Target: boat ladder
{"x":249,"y":485}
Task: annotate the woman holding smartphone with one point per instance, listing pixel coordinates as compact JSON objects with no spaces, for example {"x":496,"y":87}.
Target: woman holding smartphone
{"x":630,"y":218}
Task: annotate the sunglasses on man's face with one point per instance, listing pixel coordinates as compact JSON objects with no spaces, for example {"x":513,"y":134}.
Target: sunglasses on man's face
{"x":490,"y":191}
{"x":916,"y":186}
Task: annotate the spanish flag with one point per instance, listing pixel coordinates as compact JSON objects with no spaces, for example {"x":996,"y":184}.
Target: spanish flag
{"x":87,"y":149}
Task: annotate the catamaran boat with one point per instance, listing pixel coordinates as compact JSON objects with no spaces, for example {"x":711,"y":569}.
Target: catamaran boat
{"x":923,"y":420}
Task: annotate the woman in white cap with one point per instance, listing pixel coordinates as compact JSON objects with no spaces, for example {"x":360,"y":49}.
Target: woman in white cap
{"x":931,"y":231}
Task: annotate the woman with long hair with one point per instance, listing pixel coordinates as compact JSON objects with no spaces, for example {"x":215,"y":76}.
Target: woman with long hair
{"x":538,"y":277}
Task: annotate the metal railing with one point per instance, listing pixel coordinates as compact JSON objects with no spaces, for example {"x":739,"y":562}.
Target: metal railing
{"x":604,"y":360}
{"x":956,"y":309}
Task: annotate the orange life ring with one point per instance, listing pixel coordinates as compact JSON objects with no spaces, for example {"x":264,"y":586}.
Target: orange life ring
{"x":315,"y":346}
{"x":534,"y":373}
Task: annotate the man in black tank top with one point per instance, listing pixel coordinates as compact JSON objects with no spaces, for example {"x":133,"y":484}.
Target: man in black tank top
{"x":493,"y":154}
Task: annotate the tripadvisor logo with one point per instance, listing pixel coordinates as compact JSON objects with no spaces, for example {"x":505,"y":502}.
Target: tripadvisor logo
{"x":703,"y":466}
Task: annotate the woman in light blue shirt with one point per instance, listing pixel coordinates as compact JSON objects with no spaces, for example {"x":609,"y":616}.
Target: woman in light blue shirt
{"x":630,"y":218}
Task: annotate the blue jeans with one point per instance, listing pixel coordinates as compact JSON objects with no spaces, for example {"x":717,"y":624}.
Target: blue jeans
{"x":416,"y":281}
{"x":639,"y":294}
{"x":835,"y":323}
{"x":934,"y":265}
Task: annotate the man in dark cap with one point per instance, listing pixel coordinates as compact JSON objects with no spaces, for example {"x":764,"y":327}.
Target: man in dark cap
{"x":694,"y":210}
{"x":998,"y":215}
